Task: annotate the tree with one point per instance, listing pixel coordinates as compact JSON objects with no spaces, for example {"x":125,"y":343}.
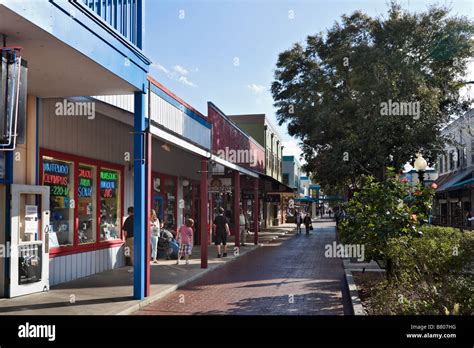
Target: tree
{"x":382,"y":211}
{"x":372,"y":92}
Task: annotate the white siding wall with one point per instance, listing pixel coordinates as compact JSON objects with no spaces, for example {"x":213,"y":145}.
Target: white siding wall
{"x":178,"y":121}
{"x":75,"y":266}
{"x":166,"y":115}
{"x":125,"y":102}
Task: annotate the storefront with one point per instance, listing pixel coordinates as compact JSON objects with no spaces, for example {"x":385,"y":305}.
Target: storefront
{"x":164,"y":199}
{"x":241,"y":159}
{"x":86,"y":202}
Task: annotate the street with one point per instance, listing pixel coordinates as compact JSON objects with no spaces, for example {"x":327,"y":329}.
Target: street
{"x":290,"y":276}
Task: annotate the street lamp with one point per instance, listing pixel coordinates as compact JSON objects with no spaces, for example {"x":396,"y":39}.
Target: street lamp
{"x":420,"y":166}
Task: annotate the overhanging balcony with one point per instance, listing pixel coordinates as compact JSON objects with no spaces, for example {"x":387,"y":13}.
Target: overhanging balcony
{"x":70,"y":50}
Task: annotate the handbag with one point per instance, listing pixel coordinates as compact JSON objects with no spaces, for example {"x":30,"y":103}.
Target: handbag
{"x":310,"y":227}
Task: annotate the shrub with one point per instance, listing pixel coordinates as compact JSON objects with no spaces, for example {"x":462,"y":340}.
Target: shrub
{"x":430,"y":274}
{"x":382,"y":211}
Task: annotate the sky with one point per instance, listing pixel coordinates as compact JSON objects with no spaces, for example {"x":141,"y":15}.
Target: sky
{"x":225,"y":51}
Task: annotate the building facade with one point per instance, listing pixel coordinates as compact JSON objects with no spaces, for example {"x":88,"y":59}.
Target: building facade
{"x":63,"y":182}
{"x":291,"y":172}
{"x":455,"y":166}
{"x":276,"y":193}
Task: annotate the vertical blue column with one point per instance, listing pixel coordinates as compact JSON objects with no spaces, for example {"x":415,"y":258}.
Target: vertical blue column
{"x":139,"y":197}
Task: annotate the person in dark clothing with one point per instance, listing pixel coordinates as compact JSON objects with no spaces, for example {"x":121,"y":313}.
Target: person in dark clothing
{"x":298,"y":221}
{"x":307,"y":222}
{"x":129,"y":233}
{"x":221,"y":232}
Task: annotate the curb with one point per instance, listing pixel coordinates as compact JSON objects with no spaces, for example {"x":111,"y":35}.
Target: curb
{"x":145,"y":302}
{"x":357,"y":307}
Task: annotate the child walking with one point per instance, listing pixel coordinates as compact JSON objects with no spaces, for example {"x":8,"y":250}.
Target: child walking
{"x":185,"y":237}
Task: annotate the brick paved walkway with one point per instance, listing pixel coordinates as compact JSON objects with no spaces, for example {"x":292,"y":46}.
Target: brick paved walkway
{"x":289,"y":276}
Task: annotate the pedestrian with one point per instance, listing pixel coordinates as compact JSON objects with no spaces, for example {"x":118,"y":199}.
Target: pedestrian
{"x":307,"y":222}
{"x":244,"y":227}
{"x":155,"y":227}
{"x":185,"y":237}
{"x":469,"y":217}
{"x":221,"y":232}
{"x":330,"y":213}
{"x":129,"y":233}
{"x":298,"y":221}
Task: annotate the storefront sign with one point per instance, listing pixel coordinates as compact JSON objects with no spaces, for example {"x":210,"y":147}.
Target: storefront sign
{"x":31,"y":219}
{"x":108,"y":184}
{"x":222,"y":185}
{"x":272,"y":199}
{"x":56,"y":176}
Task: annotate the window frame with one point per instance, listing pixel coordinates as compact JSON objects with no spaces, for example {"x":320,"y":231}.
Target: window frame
{"x":98,"y":164}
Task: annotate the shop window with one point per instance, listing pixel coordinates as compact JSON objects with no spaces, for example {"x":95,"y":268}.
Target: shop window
{"x":110,"y":210}
{"x":157,"y":184}
{"x":170,"y":208}
{"x":187,"y":201}
{"x":87,"y":204}
{"x":58,"y":175}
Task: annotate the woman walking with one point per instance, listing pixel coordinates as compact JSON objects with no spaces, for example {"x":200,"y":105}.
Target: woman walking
{"x":185,"y":237}
{"x":154,"y":234}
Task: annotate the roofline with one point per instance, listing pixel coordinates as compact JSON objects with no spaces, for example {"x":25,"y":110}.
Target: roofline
{"x":174,"y":96}
{"x":225,"y":117}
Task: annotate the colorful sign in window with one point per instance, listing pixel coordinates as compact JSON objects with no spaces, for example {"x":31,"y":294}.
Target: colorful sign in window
{"x":87,"y":204}
{"x":58,"y":175}
{"x":110,"y":204}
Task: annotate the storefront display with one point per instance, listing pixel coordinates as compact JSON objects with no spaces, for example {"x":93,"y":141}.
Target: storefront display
{"x":164,"y":199}
{"x":86,"y":204}
{"x":109,"y":204}
{"x":58,"y":175}
{"x":86,"y":201}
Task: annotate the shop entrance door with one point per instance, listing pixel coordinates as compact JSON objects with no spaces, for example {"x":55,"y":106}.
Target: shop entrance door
{"x":29,"y":257}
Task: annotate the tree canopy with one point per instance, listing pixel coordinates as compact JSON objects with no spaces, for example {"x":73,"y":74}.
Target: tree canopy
{"x":372,"y":92}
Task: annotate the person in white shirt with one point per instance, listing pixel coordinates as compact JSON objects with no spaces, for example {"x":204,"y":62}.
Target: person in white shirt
{"x":244,"y":226}
{"x":298,"y":221}
{"x":155,"y":227}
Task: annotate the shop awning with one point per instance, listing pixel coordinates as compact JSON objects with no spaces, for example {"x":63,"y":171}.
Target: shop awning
{"x":277,"y":186}
{"x":304,"y":199}
{"x":464,"y":182}
{"x":455,"y":179}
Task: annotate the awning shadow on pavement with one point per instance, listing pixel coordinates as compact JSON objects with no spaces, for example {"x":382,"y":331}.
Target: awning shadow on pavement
{"x":63,"y":304}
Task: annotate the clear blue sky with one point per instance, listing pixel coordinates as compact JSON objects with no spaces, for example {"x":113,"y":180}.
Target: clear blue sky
{"x":194,"y":45}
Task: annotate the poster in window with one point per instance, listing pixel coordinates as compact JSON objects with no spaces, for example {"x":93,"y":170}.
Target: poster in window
{"x":31,"y":219}
{"x":29,"y":263}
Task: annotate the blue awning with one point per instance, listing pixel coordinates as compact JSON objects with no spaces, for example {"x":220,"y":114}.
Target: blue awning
{"x":464,"y":182}
{"x":455,"y":179}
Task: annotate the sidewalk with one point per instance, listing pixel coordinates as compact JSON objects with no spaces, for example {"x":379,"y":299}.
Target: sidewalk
{"x":110,"y":293}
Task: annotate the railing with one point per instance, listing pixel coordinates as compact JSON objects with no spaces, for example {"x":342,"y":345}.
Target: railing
{"x":125,"y":16}
{"x":453,"y":221}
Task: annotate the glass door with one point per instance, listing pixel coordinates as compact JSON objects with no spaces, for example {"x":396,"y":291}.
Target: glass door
{"x":29,"y":258}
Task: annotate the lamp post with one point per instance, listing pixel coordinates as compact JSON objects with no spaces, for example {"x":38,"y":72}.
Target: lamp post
{"x":420,"y":166}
